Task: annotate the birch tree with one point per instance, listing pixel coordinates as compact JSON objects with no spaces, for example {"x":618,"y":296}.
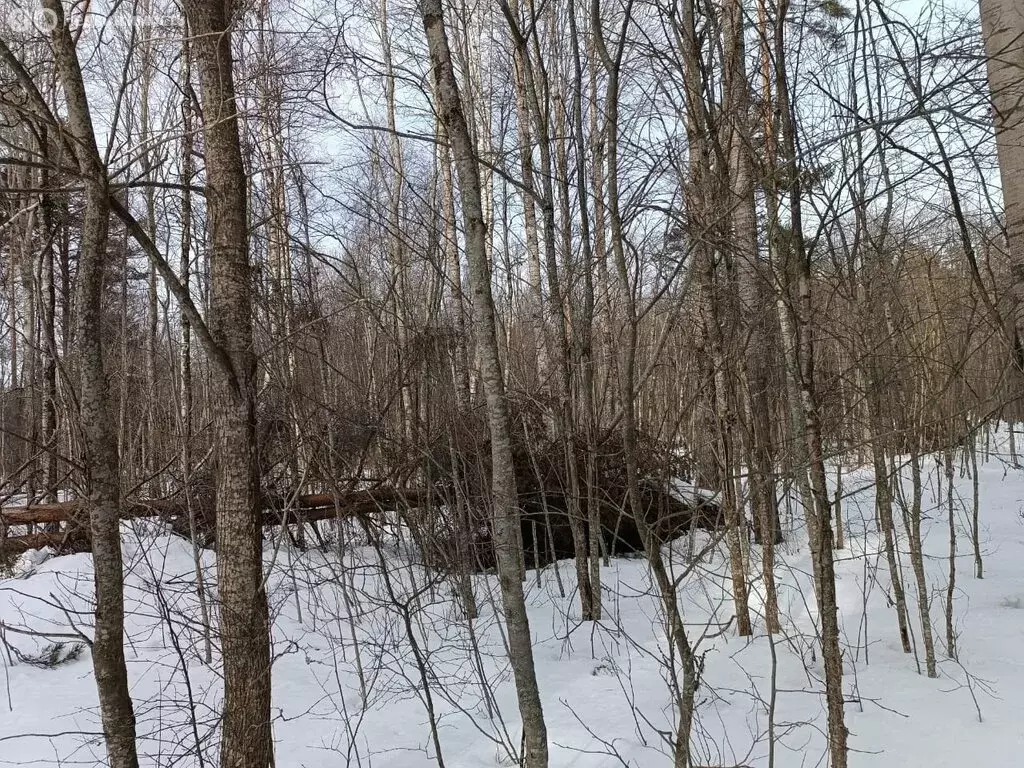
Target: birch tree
{"x":504,"y":512}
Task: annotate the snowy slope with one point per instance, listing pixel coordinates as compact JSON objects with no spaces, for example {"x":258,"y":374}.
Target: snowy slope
{"x":349,"y":685}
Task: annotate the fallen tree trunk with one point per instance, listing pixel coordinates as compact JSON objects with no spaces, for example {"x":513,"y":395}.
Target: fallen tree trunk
{"x":62,"y":542}
{"x":68,"y":511}
{"x":311,"y":506}
{"x":277,"y":509}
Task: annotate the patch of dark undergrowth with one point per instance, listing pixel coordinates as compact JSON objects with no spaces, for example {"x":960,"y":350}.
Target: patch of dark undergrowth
{"x":557,"y":480}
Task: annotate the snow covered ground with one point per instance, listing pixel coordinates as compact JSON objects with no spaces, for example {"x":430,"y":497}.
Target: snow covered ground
{"x":364,"y":653}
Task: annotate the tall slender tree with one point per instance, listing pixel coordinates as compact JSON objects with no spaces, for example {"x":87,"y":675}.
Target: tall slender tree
{"x":246,"y":740}
{"x":505,"y":513}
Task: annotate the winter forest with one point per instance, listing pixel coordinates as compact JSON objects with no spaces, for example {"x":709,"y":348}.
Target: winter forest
{"x":467,"y":383}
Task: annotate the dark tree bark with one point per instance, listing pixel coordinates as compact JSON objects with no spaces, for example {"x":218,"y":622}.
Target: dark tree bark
{"x":246,"y":740}
{"x":99,"y":441}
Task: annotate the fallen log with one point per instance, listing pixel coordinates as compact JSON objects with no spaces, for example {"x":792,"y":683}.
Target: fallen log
{"x":277,"y":509}
{"x":66,"y":511}
{"x":319,"y":506}
{"x":64,"y":542}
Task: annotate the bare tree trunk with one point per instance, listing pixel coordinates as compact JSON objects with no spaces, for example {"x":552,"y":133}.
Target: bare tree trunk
{"x":1002,"y":23}
{"x":744,"y":223}
{"x":821,"y":546}
{"x":947,"y":461}
{"x":557,"y":334}
{"x":795,"y":317}
{"x":103,"y":472}
{"x":149,"y":447}
{"x":460,"y":375}
{"x":590,"y":595}
{"x":913,"y":524}
{"x":503,"y":485}
{"x":626,"y":370}
{"x":883,"y":505}
{"x":972,"y":447}
{"x":396,"y":245}
{"x":30,"y":362}
{"x":535,"y":299}
{"x":246,"y":740}
{"x":838,"y":506}
{"x":185,"y":344}
{"x":49,"y":432}
{"x":587,"y":394}
{"x":453,"y":266}
{"x":724,"y":416}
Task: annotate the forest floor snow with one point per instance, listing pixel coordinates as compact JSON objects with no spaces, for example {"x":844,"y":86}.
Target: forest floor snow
{"x":350,"y":689}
